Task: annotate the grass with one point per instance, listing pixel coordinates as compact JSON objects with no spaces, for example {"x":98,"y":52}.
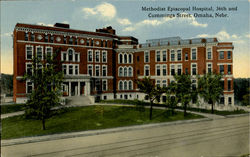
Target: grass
{"x":87,"y":118}
{"x":12,"y":108}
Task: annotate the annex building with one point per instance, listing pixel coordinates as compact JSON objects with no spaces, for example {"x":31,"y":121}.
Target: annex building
{"x":105,"y":65}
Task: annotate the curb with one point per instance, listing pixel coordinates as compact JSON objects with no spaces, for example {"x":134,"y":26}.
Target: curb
{"x":94,"y":132}
{"x":237,"y":115}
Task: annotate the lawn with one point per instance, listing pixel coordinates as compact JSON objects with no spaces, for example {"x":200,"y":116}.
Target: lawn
{"x":11,"y":108}
{"x":87,"y":118}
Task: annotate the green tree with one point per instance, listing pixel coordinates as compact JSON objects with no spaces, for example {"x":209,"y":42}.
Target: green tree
{"x":210,"y":89}
{"x":147,"y":86}
{"x":246,"y":98}
{"x":183,"y":89}
{"x":171,"y":99}
{"x":46,"y":77}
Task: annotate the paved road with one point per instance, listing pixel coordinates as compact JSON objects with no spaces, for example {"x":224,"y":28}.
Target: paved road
{"x":225,"y":137}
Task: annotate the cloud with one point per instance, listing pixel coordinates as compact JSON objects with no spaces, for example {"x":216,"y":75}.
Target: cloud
{"x":43,"y":24}
{"x":124,"y":21}
{"x":222,"y":35}
{"x":105,"y":11}
{"x":247,"y":35}
{"x":6,"y":34}
{"x":155,"y":22}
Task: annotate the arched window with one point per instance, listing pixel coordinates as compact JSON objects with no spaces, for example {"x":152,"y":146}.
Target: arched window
{"x":130,"y":71}
{"x":70,"y":52}
{"x":130,"y":58}
{"x":130,"y":85}
{"x":125,"y":85}
{"x":120,"y":58}
{"x":125,"y":58}
{"x":120,"y":85}
{"x":120,"y":71}
{"x":125,"y":72}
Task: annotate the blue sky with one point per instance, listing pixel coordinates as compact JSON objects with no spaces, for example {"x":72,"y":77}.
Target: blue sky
{"x":128,"y":18}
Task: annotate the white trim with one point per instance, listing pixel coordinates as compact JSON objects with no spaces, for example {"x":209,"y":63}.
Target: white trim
{"x":207,"y":66}
{"x":207,"y":53}
{"x":90,"y":65}
{"x":26,"y":86}
{"x":148,"y":56}
{"x":147,"y":65}
{"x":99,"y":55}
{"x":192,"y":68}
{"x":105,"y":66}
{"x":224,"y":49}
{"x":224,"y":63}
{"x":158,"y":65}
{"x":99,"y":70}
{"x":119,"y":58}
{"x":32,"y":51}
{"x":47,"y":51}
{"x":78,"y":70}
{"x":90,"y":50}
{"x":122,"y":73}
{"x":39,"y":46}
{"x":166,"y":55}
{"x":156,"y":55}
{"x":105,"y":52}
{"x":106,"y":85}
{"x":163,"y":69}
{"x":130,"y":67}
{"x":177,"y":54}
{"x":172,"y":51}
{"x":26,"y":65}
{"x":195,"y":53}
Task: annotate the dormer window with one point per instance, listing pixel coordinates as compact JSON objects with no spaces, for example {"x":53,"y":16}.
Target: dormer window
{"x":26,"y":37}
{"x":46,"y":38}
{"x":32,"y":37}
{"x":70,"y":40}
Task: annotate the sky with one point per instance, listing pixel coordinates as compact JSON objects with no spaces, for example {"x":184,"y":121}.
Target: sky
{"x":127,"y":18}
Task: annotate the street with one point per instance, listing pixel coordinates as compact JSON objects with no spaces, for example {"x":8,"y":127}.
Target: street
{"x":225,"y":137}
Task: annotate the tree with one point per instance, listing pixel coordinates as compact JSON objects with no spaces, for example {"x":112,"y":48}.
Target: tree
{"x":147,"y":86}
{"x":46,"y":77}
{"x":183,"y":89}
{"x":171,"y":99}
{"x":210,"y":89}
{"x":246,"y":98}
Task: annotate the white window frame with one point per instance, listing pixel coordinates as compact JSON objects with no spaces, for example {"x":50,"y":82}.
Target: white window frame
{"x":73,"y":67}
{"x":120,"y":83}
{"x":96,"y":69}
{"x":130,"y":75}
{"x":28,"y":81}
{"x":163,"y":55}
{"x":105,"y":66}
{"x":66,"y":69}
{"x":78,"y":57}
{"x":192,"y":69}
{"x":148,"y":56}
{"x":211,"y":53}
{"x":122,"y":72}
{"x":106,"y":54}
{"x":163,"y":69}
{"x":231,"y":55}
{"x":97,"y":52}
{"x":130,"y":82}
{"x":62,"y":53}
{"x":172,"y":51}
{"x":179,"y":50}
{"x":125,"y":54}
{"x":32,"y":52}
{"x":185,"y":56}
{"x":125,"y":74}
{"x":106,"y":88}
{"x":179,"y":65}
{"x":131,"y":58}
{"x":156,"y":68}
{"x":171,"y":67}
{"x":76,"y":65}
{"x":157,"y":53}
{"x":26,"y":67}
{"x":39,"y":46}
{"x":145,"y":69}
{"x":209,"y":63}
{"x":158,"y":82}
{"x":46,"y":51}
{"x":90,"y":65}
{"x":119,"y":58}
{"x":223,"y":55}
{"x":164,"y":83}
{"x":90,"y":50}
{"x":195,"y":53}
{"x":125,"y":84}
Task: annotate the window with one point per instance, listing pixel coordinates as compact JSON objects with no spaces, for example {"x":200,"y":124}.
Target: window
{"x":39,"y":68}
{"x":194,"y":84}
{"x":221,"y":67}
{"x":146,"y":57}
{"x":146,"y":70}
{"x":90,"y":70}
{"x":32,"y":37}
{"x":65,"y":40}
{"x":164,"y":56}
{"x":230,"y":100}
{"x":76,"y":70}
{"x":209,"y":53}
{"x":222,"y":84}
{"x":138,"y":72}
{"x":29,"y":52}
{"x":77,"y":58}
{"x":158,"y":56}
{"x":120,"y":85}
{"x":130,"y":58}
{"x":125,"y":72}
{"x":90,"y":56}
{"x":222,"y":101}
{"x":229,"y":56}
{"x":70,"y":40}
{"x":221,"y":55}
{"x":229,"y":69}
{"x":138,"y":58}
{"x":130,"y":85}
{"x":158,"y":70}
{"x":97,"y":70}
{"x":172,"y":70}
{"x":125,"y":85}
{"x":104,"y":85}
{"x":186,"y":56}
{"x":70,"y":69}
{"x":64,"y":57}
{"x":209,"y":67}
{"x":194,"y":69}
{"x":229,"y":85}
{"x":101,"y":43}
{"x":106,"y":43}
{"x":179,"y":67}
{"x":125,"y":58}
{"x":120,"y":58}
{"x":172,"y":55}
{"x":49,"y":52}
{"x":164,"y":70}
{"x":39,"y":52}
{"x":158,"y":83}
{"x":120,"y":71}
{"x":104,"y":70}
{"x":26,"y":37}
{"x":186,"y":71}
{"x":92,"y":42}
{"x":87,"y":42}
{"x":70,"y":52}
{"x":64,"y":68}
{"x":130,"y":71}
{"x":164,"y":83}
{"x":51,"y":38}
{"x":194,"y":53}
{"x":104,"y":57}
{"x":98,"y":85}
{"x":29,"y":68}
{"x":97,"y":56}
{"x":29,"y":86}
{"x":46,"y":38}
{"x":179,"y":55}
{"x":76,"y":41}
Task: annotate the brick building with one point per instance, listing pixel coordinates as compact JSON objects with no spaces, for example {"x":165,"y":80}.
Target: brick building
{"x":106,"y":65}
